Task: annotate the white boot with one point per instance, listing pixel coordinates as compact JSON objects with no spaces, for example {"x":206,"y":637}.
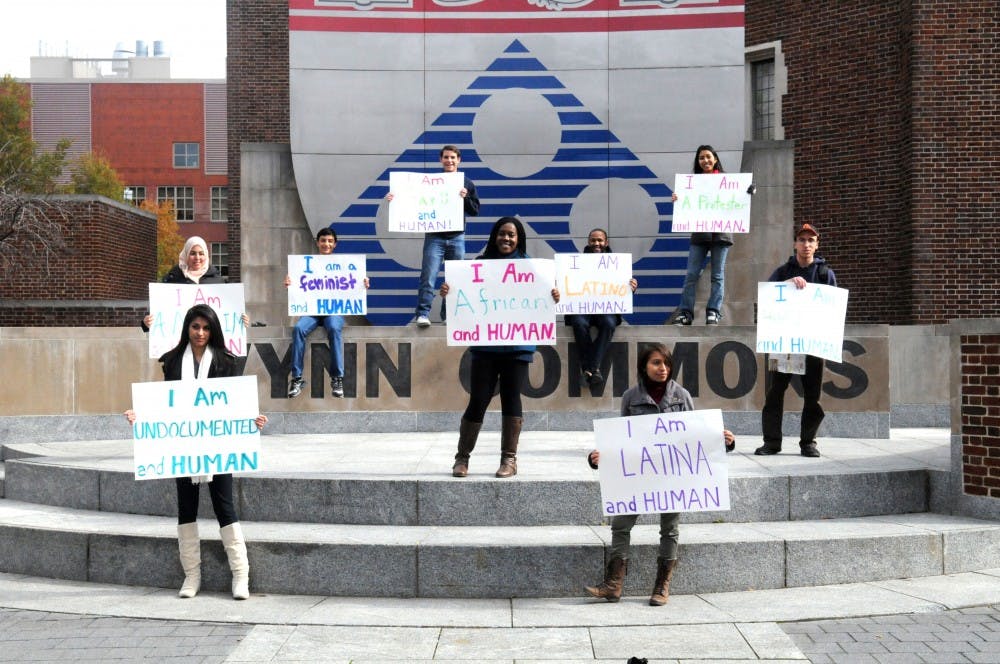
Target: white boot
{"x":190,"y":549}
{"x":239,"y":565}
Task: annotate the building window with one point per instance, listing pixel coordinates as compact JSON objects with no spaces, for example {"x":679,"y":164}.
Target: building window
{"x":135,"y":195}
{"x":220,"y":257}
{"x":220,"y":203}
{"x":186,"y":155}
{"x":767,"y":82}
{"x":181,"y":197}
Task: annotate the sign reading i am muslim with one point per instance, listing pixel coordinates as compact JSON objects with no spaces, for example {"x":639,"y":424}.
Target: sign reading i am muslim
{"x":803,"y":321}
{"x":327,"y":285}
{"x":712,"y":203}
{"x":169,"y":303}
{"x":426,"y":202}
{"x":594,"y":283}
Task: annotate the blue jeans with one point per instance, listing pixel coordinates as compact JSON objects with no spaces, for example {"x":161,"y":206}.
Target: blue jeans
{"x":592,"y":352}
{"x":696,"y":261}
{"x":334,"y":325}
{"x":437,"y":249}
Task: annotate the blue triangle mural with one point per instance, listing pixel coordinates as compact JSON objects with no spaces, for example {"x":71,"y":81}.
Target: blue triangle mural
{"x":588,"y":153}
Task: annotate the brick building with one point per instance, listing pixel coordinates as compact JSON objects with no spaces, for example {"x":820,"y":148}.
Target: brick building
{"x":892,"y":107}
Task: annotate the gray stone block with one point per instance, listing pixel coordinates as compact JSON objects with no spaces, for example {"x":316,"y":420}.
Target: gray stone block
{"x":750,"y":499}
{"x":120,"y":492}
{"x":477,"y":503}
{"x":967,"y":550}
{"x":813,"y":562}
{"x":711,"y":567}
{"x":48,"y":553}
{"x":860,"y":494}
{"x":51,"y":484}
{"x":920,"y":415}
{"x":353,"y":501}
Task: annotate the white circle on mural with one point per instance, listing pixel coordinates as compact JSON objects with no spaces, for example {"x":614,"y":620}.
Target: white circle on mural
{"x":622,"y":208}
{"x":516,"y":133}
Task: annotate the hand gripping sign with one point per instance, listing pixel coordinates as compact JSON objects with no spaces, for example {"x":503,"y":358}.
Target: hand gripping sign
{"x":804,"y":321}
{"x":426,"y":202}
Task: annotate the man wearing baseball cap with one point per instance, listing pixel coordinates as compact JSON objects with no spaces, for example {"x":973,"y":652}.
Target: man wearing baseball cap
{"x":802,"y":268}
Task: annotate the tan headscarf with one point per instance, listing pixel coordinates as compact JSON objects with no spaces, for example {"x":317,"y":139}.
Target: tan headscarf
{"x":182,"y":261}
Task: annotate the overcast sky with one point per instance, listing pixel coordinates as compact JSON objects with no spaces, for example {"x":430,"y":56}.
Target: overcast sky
{"x":194,"y":32}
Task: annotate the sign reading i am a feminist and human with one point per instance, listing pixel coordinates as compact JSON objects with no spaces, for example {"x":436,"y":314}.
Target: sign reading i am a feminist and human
{"x":195,"y":427}
{"x":169,"y":303}
{"x":501,"y":302}
{"x":594,"y":283}
{"x":712,"y":203}
{"x":667,"y":462}
{"x":327,"y":285}
{"x":801,"y":321}
{"x":426,"y":202}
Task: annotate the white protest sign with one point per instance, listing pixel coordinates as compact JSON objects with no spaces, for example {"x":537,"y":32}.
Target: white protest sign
{"x":594,"y":283}
{"x":195,"y":427}
{"x":807,"y":321}
{"x":426,"y":202}
{"x":712,"y":203}
{"x":666,"y":462}
{"x":169,"y":303}
{"x":327,"y":285}
{"x":501,"y":302}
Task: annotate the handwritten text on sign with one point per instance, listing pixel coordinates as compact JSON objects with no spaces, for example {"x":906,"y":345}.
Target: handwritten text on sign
{"x":195,"y":427}
{"x":327,"y":285}
{"x":808,"y":321}
{"x":169,"y":303}
{"x":712,"y":203}
{"x":594,"y":283}
{"x":426,"y":202}
{"x":501,"y":302}
{"x":669,"y":462}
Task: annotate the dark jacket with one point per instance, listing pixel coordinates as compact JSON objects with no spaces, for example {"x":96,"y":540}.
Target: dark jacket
{"x":223,"y":364}
{"x":817,"y":272}
{"x":211,"y":276}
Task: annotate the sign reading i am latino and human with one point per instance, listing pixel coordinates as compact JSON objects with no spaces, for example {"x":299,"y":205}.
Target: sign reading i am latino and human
{"x":501,"y":302}
{"x":594,"y":283}
{"x":426,"y":202}
{"x":712,"y":203}
{"x":169,"y":303}
{"x":195,"y":427}
{"x":666,"y":462}
{"x":327,"y":285}
{"x":804,"y":321}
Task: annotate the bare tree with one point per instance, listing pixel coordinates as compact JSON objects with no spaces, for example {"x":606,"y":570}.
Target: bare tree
{"x":31,"y":227}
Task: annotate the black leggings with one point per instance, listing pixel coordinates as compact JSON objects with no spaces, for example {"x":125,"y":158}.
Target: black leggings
{"x":486,"y":370}
{"x":220,"y":489}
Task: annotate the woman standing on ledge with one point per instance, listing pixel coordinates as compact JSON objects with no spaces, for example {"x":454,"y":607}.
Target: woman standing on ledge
{"x":200,"y":354}
{"x":507,"y":365}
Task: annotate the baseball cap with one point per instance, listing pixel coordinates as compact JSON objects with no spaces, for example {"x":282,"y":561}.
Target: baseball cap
{"x":805,"y":228}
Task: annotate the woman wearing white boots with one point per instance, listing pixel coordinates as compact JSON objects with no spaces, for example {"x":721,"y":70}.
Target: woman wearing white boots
{"x":201,"y":354}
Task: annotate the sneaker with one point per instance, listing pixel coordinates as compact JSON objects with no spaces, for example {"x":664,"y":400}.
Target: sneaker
{"x":423,"y":321}
{"x":295,"y":387}
{"x":683,"y":318}
{"x":337,"y":386}
{"x":596,"y":378}
{"x":712,"y":317}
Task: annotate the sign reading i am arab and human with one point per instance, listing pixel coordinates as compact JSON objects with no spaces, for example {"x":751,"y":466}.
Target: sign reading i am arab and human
{"x":327,"y":285}
{"x":801,"y":321}
{"x":426,"y":202}
{"x":667,"y":462}
{"x":195,"y":427}
{"x":594,"y":283}
{"x":500,"y":302}
{"x":712,"y":203}
{"x":169,"y":304}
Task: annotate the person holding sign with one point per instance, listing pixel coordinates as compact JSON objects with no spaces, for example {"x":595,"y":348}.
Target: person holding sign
{"x":703,"y":245}
{"x":326,"y":243}
{"x":507,"y":365}
{"x":194,"y":266}
{"x":802,"y":268}
{"x":200,"y":354}
{"x":439,"y":247}
{"x":592,"y":351}
{"x":654,"y":393}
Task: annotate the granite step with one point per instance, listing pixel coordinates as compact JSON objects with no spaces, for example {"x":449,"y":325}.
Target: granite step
{"x":491,"y":561}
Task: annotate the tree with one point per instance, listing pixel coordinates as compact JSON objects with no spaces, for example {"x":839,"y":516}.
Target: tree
{"x":30,"y":226}
{"x":23,"y":167}
{"x":169,"y":241}
{"x":93,"y":174}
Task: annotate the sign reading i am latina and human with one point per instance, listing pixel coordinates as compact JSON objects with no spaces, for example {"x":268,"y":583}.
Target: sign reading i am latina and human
{"x":169,"y":303}
{"x":501,"y":302}
{"x":195,"y":427}
{"x":327,"y":285}
{"x":666,"y":462}
{"x":712,"y":203}
{"x":806,"y":321}
{"x":594,"y":283}
{"x":426,"y":202}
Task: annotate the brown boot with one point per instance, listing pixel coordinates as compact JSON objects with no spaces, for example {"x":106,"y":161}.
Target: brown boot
{"x":661,"y":589}
{"x":614,"y":578}
{"x":510,"y":433}
{"x":468,"y":432}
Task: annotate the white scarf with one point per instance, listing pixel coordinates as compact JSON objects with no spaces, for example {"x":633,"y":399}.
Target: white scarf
{"x":188,"y":373}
